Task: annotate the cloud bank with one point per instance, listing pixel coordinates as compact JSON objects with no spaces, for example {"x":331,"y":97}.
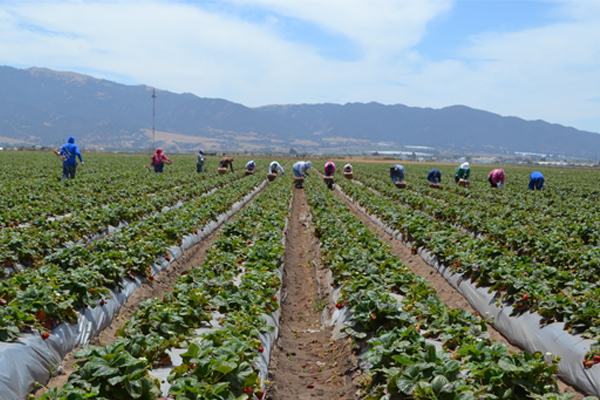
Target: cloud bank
{"x":259,"y":52}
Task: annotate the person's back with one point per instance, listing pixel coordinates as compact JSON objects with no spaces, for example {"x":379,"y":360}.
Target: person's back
{"x":348,"y":168}
{"x":496,"y":177}
{"x":397,"y":173}
{"x":329,"y":169}
{"x":275,"y":168}
{"x":250,"y":166}
{"x":434,"y":176}
{"x":70,"y":151}
{"x":536,"y":180}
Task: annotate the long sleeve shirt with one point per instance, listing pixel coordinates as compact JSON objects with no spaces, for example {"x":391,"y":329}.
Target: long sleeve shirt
{"x":302,"y":167}
{"x":497,"y":176}
{"x":275,"y":168}
{"x":329,"y":169}
{"x":399,"y":172}
{"x":533,"y":180}
{"x":347,"y":168}
{"x":463,"y":173}
{"x":434,"y":176}
{"x":71,"y":151}
{"x":250,"y":165}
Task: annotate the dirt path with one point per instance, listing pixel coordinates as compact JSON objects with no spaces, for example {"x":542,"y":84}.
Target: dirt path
{"x":305,"y":362}
{"x":163,"y":283}
{"x":446,"y":292}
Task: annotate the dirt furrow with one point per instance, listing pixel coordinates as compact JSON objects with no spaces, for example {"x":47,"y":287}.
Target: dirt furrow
{"x":446,"y":292}
{"x":305,"y":362}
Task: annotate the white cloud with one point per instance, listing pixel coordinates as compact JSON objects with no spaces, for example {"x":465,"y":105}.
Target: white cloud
{"x":549,"y":72}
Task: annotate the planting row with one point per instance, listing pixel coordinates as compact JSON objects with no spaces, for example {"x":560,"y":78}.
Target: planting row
{"x":29,"y":245}
{"x":77,"y":277}
{"x":417,"y":347}
{"x":237,"y":284}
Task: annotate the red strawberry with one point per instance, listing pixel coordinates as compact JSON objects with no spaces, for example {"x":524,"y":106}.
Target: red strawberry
{"x":259,"y":394}
{"x":247,"y":390}
{"x":151,"y":277}
{"x":240,"y":261}
{"x":102,"y":303}
{"x":589,"y":364}
{"x":192,"y":365}
{"x":528,"y":228}
{"x":249,"y":242}
{"x":596,"y":359}
{"x":338,"y":305}
{"x":261,"y":349}
{"x":345,"y":303}
{"x":45,"y":335}
{"x":275,"y":298}
{"x":91,"y":290}
{"x":3,"y":302}
{"x":310,"y":386}
{"x":331,"y":283}
{"x":269,"y":307}
{"x":208,"y":307}
{"x":525,"y":297}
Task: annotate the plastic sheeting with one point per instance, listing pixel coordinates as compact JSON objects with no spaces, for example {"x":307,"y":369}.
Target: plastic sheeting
{"x":31,"y":359}
{"x":523,"y":330}
{"x":267,"y":339}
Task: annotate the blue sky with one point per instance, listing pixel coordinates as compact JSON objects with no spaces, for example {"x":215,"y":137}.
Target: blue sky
{"x":532,"y":59}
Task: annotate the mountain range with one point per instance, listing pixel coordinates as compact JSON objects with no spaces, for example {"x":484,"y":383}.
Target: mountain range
{"x":41,"y":106}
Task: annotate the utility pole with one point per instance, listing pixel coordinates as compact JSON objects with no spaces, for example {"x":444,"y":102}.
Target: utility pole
{"x":153,"y":116}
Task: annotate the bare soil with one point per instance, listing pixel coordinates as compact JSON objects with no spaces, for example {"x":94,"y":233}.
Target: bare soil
{"x":446,"y":292}
{"x":305,"y":362}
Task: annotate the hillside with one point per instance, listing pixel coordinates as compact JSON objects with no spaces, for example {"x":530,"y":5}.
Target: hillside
{"x":40,"y":106}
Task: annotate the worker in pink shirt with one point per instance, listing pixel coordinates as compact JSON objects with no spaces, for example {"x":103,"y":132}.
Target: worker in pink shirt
{"x":329,"y":171}
{"x":496,"y":178}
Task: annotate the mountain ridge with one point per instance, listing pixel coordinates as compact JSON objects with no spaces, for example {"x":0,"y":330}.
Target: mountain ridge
{"x":42,"y":106}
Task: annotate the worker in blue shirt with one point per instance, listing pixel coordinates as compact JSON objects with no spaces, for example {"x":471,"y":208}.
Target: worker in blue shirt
{"x":434,"y":176}
{"x":69,"y":152}
{"x":397,"y":173}
{"x":536,"y":180}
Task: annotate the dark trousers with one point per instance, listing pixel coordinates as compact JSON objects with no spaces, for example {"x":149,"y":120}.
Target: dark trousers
{"x":69,"y":171}
{"x":158,"y":167}
{"x":491,"y":181}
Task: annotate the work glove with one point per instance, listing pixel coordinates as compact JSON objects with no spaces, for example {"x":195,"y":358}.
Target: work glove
{"x":283,"y":173}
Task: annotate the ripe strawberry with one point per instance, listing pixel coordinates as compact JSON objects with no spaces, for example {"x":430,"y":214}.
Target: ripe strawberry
{"x":285,"y":233}
{"x":259,"y":394}
{"x":91,"y":290}
{"x":247,"y":390}
{"x":249,"y":242}
{"x":528,"y":228}
{"x":596,"y":359}
{"x":240,"y":261}
{"x":207,"y":307}
{"x":525,"y":297}
{"x":192,"y":365}
{"x":261,"y":349}
{"x":338,"y":305}
{"x":151,"y":277}
{"x":275,"y":298}
{"x":269,"y":308}
{"x":102,"y":303}
{"x":345,"y":303}
{"x":45,"y":335}
{"x":331,"y":283}
{"x":589,"y":364}
{"x":520,"y":305}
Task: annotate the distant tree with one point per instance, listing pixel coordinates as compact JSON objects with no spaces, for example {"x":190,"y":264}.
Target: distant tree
{"x":293,"y":152}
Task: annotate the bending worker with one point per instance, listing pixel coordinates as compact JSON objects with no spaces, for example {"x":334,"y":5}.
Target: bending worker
{"x":329,"y":171}
{"x":250,"y":166}
{"x":464,"y":172}
{"x":434,"y":176}
{"x":69,"y":153}
{"x":348,"y":168}
{"x":225,"y":162}
{"x":276,"y":168}
{"x":496,"y":178}
{"x":536,"y":180}
{"x":300,"y":169}
{"x":158,"y":160}
{"x":397,"y":173}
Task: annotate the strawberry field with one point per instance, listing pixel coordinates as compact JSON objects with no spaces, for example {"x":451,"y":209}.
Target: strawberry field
{"x":73,"y":252}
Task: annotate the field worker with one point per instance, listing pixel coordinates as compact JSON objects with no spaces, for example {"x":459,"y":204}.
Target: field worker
{"x":300,"y":169}
{"x":397,"y":173}
{"x":464,"y":172}
{"x":70,"y":151}
{"x":496,"y":178}
{"x":329,"y":169}
{"x":250,"y":166}
{"x":536,"y":180}
{"x":348,"y":168}
{"x":158,"y":160}
{"x":434,"y":176}
{"x":200,"y":161}
{"x":226,"y":161}
{"x":275,"y":168}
